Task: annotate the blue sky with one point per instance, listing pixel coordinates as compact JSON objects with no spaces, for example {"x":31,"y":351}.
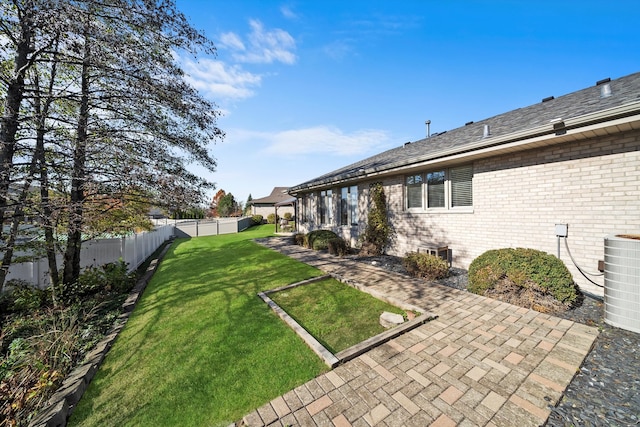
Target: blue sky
{"x":307,"y":87}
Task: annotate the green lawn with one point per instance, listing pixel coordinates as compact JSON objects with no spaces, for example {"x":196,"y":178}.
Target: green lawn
{"x":201,"y":349}
{"x":336,"y":314}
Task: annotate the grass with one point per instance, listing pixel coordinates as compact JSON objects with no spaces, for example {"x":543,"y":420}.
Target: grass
{"x":336,"y":314}
{"x":201,"y":348}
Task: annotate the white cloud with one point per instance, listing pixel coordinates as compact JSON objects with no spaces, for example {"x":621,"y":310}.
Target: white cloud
{"x":288,"y":13}
{"x":263,"y":46}
{"x":316,"y":140}
{"x":231,"y":41}
{"x":219,"y":80}
{"x":338,"y":49}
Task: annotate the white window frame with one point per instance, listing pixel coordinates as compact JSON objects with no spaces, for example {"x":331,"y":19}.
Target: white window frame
{"x":448,"y":192}
{"x":348,"y":206}
{"x":325,"y":207}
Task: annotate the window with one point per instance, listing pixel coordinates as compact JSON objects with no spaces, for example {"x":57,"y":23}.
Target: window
{"x":435,"y":190}
{"x":461,"y":190}
{"x":326,"y":207}
{"x":440,"y":189}
{"x":349,"y":205}
{"x":414,"y":191}
{"x":306,"y":208}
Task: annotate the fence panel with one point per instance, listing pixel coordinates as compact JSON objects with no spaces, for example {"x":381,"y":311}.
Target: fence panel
{"x":187,"y":229}
{"x":133,"y":250}
{"x":227,"y":226}
{"x":208,"y":228}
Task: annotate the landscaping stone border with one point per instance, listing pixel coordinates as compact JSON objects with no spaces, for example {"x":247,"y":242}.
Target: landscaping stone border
{"x":333,"y":360}
{"x":61,"y":404}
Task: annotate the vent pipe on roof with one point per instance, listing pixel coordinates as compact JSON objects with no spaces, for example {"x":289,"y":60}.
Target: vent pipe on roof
{"x":428,"y":123}
{"x":605,"y":90}
{"x":487,"y":131}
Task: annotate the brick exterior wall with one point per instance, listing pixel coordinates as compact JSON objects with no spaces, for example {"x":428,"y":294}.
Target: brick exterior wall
{"x":592,"y":185}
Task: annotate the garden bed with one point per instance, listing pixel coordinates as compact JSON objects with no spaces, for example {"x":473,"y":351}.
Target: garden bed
{"x":338,"y":321}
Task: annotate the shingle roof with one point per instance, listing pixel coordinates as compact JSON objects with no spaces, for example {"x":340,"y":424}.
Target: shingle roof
{"x":623,"y":91}
{"x":278,"y":194}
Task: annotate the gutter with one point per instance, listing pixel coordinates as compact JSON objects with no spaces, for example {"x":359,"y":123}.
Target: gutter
{"x":521,"y":139}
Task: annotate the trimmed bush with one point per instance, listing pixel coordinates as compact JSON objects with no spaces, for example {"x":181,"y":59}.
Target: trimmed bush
{"x":257,"y":219}
{"x":299,"y":239}
{"x":425,"y":265}
{"x":288,"y":216}
{"x":524,"y":268}
{"x":271,"y":218}
{"x":317,"y":239}
{"x":337,"y":246}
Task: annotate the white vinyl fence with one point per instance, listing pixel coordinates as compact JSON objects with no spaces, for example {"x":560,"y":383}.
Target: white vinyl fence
{"x":133,"y":250}
{"x":211,"y":227}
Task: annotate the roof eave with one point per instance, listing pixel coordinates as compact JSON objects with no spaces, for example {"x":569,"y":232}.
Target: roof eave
{"x":516,"y":141}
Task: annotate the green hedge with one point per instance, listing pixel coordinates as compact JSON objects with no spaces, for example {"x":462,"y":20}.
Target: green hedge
{"x":425,"y":265}
{"x":318,"y":239}
{"x":338,"y":246}
{"x":522,"y":267}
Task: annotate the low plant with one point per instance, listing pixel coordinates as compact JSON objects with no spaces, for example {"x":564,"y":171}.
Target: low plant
{"x":98,"y":280}
{"x":271,"y":218}
{"x":288,"y":216}
{"x":523,"y":268}
{"x":318,"y":239}
{"x":425,"y":265}
{"x":257,"y":219}
{"x":40,"y":348}
{"x":337,"y":246}
{"x":299,"y":239}
{"x":22,"y":296}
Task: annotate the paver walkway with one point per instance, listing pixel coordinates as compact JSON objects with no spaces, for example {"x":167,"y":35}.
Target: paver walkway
{"x":481,"y":362}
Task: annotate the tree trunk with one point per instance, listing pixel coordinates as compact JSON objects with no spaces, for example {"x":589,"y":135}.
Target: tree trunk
{"x":76,"y":211}
{"x":46,"y":213}
{"x":9,"y":125}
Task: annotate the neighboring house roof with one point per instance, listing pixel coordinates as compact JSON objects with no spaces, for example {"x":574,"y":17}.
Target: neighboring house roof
{"x":286,"y":202}
{"x":278,"y":194}
{"x":566,"y":115}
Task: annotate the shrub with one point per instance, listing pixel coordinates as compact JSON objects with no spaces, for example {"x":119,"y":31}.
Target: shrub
{"x":23,"y":296}
{"x":525,"y":268}
{"x":337,"y":246}
{"x":257,"y":219}
{"x":117,"y":277}
{"x":317,"y":239}
{"x":425,"y":265}
{"x":271,"y":219}
{"x":95,"y":280}
{"x":299,"y":239}
{"x":379,"y":232}
{"x":288,"y":216}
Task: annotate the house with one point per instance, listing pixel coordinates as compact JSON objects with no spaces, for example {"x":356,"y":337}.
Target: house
{"x":267,"y":205}
{"x":505,"y":181}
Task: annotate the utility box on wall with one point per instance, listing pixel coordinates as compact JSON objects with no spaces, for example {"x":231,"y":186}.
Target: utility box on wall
{"x":562,"y":230}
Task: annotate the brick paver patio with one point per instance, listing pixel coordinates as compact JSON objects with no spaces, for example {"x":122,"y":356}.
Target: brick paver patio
{"x":482,"y":362}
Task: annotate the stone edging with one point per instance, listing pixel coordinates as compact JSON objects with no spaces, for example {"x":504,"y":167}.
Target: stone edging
{"x":61,"y":404}
{"x":333,"y":360}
